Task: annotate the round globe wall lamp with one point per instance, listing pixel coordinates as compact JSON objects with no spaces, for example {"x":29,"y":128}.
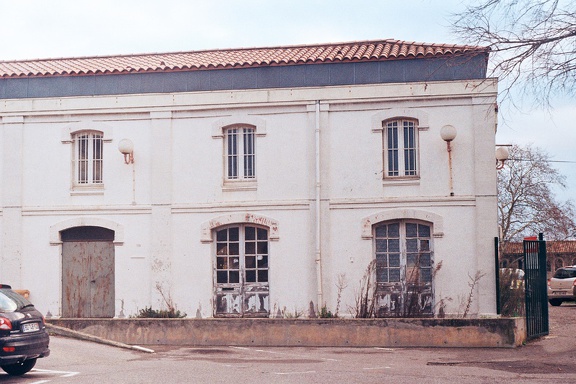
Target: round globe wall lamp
{"x":448,"y":133}
{"x":126,"y":147}
{"x":502,"y":155}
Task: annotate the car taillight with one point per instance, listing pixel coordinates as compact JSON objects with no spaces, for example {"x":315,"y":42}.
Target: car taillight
{"x":5,"y":324}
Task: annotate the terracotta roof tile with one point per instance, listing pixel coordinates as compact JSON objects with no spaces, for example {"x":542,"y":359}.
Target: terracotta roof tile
{"x":234,"y":58}
{"x":565,"y":246}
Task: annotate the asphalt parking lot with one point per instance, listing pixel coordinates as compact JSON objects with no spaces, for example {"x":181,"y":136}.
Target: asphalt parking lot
{"x":551,"y":359}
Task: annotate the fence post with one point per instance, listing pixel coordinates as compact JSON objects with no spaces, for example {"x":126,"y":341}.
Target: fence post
{"x":537,"y":323}
{"x":497,"y":264}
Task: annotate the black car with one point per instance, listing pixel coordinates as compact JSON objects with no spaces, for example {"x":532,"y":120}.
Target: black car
{"x":23,"y":335}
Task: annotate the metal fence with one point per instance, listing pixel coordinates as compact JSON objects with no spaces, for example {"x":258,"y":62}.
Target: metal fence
{"x":536,"y":289}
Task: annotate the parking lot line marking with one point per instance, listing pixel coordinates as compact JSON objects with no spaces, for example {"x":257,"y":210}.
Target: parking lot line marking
{"x":142,"y":349}
{"x":374,"y":368}
{"x":63,"y":373}
{"x":293,"y":373}
{"x":284,"y":353}
{"x":385,"y":349}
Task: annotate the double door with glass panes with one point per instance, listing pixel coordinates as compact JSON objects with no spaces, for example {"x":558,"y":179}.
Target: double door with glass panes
{"x":241,"y":273}
{"x":404,"y":269}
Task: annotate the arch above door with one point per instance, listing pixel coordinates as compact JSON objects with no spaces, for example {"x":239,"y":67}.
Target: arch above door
{"x":55,"y":229}
{"x":237,"y":218}
{"x":397,"y":214}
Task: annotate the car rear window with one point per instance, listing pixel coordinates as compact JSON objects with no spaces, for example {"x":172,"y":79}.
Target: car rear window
{"x":563,"y":273}
{"x":11,"y":301}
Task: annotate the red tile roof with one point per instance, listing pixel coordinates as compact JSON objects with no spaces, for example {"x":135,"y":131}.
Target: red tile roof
{"x":552,"y":247}
{"x":380,"y":50}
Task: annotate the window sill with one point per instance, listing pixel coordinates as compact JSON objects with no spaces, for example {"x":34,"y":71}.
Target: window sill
{"x":401,"y":181}
{"x":87,"y":190}
{"x":231,"y":186}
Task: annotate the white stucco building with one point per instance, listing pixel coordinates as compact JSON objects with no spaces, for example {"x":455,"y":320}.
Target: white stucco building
{"x":258,"y":179}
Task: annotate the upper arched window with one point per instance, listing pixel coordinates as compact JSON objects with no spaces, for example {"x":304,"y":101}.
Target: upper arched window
{"x":239,"y":134}
{"x":240,"y":153}
{"x":400,"y":148}
{"x":87,"y":159}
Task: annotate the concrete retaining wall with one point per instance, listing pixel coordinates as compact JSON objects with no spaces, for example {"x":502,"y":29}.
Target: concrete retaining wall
{"x":505,"y":332}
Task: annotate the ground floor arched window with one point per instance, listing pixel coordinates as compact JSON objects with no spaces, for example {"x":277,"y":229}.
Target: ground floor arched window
{"x":404,"y":269}
{"x":241,"y":271}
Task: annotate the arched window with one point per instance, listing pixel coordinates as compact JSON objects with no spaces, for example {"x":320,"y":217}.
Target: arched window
{"x":240,"y":153}
{"x":400,"y":148}
{"x":404,"y":268}
{"x":87,"y":160}
{"x":241,"y":274}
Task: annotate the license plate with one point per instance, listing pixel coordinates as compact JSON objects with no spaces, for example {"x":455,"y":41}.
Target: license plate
{"x":557,"y":292}
{"x":30,"y":327}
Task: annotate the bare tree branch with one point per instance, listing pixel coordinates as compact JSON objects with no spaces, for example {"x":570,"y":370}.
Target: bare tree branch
{"x":533,"y":44}
{"x":526,"y":204}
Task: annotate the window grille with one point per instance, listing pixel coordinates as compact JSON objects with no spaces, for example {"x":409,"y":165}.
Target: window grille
{"x":400,"y":148}
{"x":88,"y":158}
{"x":240,"y":153}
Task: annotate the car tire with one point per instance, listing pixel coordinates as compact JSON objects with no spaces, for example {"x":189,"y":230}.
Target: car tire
{"x":555,"y":302}
{"x":19,"y":369}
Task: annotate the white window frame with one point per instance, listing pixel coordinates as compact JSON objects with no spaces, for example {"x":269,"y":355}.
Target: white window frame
{"x":67,"y":137}
{"x":378,"y":120}
{"x":400,"y":148}
{"x":240,"y":153}
{"x":242,"y":271}
{"x":92,"y":160}
{"x":219,"y":128}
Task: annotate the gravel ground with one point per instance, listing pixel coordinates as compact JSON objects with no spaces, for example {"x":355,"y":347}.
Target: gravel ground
{"x":553,"y":353}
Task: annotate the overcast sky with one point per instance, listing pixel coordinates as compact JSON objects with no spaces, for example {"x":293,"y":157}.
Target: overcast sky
{"x":69,"y":28}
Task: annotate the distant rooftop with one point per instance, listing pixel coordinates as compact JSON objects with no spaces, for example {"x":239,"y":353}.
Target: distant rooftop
{"x":552,"y":246}
{"x":348,"y":52}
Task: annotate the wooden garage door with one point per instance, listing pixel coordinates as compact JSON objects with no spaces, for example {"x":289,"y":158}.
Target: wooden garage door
{"x":87,"y":272}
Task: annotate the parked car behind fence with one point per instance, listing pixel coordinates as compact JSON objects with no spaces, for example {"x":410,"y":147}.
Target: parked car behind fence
{"x":562,"y":286}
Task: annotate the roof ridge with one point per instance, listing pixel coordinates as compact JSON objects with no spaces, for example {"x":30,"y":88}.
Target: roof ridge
{"x":299,"y":54}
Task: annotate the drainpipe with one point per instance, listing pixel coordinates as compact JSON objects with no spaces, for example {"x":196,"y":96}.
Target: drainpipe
{"x":318,"y":211}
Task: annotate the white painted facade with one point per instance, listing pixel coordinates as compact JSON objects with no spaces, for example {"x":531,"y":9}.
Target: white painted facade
{"x":164,"y":207}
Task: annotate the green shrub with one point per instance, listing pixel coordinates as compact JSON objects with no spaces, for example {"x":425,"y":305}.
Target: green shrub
{"x":324,"y":313}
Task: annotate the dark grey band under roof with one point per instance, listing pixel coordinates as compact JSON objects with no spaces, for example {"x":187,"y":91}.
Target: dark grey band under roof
{"x":294,"y":76}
